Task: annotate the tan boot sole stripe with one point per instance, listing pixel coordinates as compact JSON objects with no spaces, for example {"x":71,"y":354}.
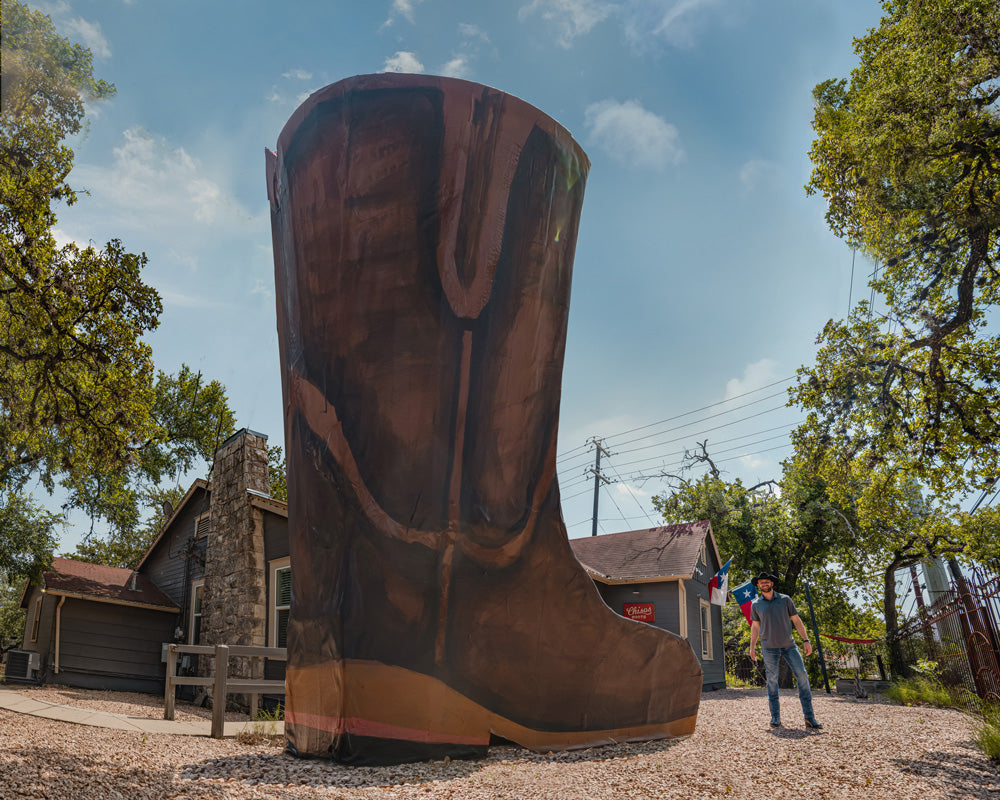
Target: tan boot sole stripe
{"x":396,"y":703}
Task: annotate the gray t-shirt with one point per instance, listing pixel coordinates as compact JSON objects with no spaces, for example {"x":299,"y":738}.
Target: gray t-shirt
{"x":775,"y":618}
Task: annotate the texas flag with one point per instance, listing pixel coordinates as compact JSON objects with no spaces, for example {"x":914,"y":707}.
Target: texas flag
{"x":745,"y":594}
{"x":718,"y":587}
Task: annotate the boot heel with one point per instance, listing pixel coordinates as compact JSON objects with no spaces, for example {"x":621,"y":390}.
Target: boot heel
{"x":389,"y":714}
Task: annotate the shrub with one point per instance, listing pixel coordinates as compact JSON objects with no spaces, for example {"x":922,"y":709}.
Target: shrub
{"x":920,"y":691}
{"x":735,"y":682}
{"x":988,"y":732}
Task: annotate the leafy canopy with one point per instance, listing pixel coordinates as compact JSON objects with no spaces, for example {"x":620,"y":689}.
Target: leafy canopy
{"x":80,"y":402}
{"x":907,"y":156}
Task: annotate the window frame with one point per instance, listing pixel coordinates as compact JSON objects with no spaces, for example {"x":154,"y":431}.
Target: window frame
{"x":200,"y":613}
{"x":682,"y":609}
{"x":274,"y":567}
{"x":705,"y":613}
{"x":36,"y":621}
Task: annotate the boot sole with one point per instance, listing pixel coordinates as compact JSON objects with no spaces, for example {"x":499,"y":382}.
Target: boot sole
{"x":397,"y":704}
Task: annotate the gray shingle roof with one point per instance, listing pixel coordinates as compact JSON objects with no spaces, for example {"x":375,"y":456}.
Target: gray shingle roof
{"x":668,"y":550}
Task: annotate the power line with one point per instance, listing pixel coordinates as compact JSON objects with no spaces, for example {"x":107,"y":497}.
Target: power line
{"x":616,"y":506}
{"x":693,"y":436}
{"x":685,"y":414}
{"x":701,"y":433}
{"x":698,"y":421}
{"x":629,"y":488}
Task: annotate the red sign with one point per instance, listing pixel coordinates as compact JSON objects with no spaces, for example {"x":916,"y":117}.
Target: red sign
{"x":641,"y":612}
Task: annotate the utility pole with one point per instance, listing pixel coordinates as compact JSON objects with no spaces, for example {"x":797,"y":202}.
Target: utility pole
{"x":598,"y":477}
{"x":819,"y":644}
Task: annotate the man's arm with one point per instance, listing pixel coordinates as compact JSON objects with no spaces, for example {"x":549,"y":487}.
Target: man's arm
{"x":754,"y":633}
{"x":801,"y":628}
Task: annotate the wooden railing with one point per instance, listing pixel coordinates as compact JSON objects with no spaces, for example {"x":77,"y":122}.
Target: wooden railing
{"x":221,"y":683}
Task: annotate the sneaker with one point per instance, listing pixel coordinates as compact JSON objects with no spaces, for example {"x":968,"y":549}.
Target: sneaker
{"x":775,"y":723}
{"x":812,"y":723}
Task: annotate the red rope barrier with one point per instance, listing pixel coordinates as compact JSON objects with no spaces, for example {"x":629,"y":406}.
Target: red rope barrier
{"x":850,"y":641}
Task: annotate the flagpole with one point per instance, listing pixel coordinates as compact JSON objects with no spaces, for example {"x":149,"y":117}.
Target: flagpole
{"x":819,"y":645}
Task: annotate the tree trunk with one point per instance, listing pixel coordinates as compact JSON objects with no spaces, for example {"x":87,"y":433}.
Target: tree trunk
{"x":897,"y":664}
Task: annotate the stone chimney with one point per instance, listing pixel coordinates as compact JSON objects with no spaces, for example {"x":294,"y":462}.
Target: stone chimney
{"x":234,"y":608}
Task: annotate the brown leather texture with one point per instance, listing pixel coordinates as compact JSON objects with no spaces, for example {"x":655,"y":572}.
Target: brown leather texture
{"x":424,"y":230}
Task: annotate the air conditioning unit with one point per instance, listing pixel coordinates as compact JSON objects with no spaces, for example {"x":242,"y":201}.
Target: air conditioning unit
{"x":22,"y":665}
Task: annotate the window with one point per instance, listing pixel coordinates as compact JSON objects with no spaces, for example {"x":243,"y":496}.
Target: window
{"x":201,"y":525}
{"x":281,"y":601}
{"x":197,"y":595}
{"x":37,"y":619}
{"x":682,"y":609}
{"x":703,"y":554}
{"x":706,"y":630}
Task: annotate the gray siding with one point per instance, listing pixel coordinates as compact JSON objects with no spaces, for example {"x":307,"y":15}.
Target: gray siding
{"x":112,"y":646}
{"x":173,"y":565}
{"x":275,"y":546}
{"x":714,"y":669}
{"x":46,"y":624}
{"x":275,"y":536}
{"x":662,"y":595}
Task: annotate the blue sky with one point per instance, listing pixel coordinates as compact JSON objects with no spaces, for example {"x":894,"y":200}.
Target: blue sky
{"x":703,"y":271}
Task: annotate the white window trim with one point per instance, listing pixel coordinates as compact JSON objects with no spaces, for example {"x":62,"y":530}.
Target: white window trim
{"x":195,"y":585}
{"x":682,"y":610}
{"x":37,"y":619}
{"x":272,"y":610}
{"x":709,"y":655}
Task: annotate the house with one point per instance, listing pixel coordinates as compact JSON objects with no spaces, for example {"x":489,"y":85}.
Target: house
{"x":660,"y":576}
{"x":219,"y":573}
{"x":86,"y":622}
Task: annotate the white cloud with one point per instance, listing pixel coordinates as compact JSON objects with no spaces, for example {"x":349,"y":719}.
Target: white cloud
{"x":458,"y":67}
{"x":571,"y":18}
{"x":758,"y":172}
{"x":403,"y":61}
{"x":76,"y":28}
{"x":674,"y":21}
{"x":171,"y":297}
{"x":297,"y":75}
{"x":627,"y":489}
{"x":149,"y":178}
{"x":469,"y":31}
{"x":755,"y":376}
{"x":90,"y":34}
{"x":402,"y":8}
{"x":263,"y":288}
{"x":633,"y":135}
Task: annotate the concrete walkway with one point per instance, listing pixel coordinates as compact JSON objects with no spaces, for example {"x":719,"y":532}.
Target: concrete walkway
{"x":13,"y":700}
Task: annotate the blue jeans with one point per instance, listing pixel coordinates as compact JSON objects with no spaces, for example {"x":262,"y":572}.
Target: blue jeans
{"x":772,"y":657}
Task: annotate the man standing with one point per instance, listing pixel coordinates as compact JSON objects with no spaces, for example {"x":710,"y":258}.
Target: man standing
{"x":772,"y":616}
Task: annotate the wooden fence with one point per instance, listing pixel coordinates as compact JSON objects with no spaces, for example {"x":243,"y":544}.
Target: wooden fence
{"x":221,"y":684}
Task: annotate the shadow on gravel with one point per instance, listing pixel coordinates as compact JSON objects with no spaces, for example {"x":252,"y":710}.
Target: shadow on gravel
{"x":40,"y":771}
{"x":282,"y":769}
{"x":960,"y":775}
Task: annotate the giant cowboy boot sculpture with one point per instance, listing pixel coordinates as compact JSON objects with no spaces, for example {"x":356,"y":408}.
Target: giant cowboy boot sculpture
{"x":424,"y":231}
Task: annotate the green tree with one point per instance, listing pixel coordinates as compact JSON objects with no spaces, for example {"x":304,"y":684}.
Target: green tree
{"x":11,"y":616}
{"x":276,"y":473}
{"x":907,"y":155}
{"x":124,"y":548}
{"x":789,"y":527}
{"x":79,"y":402}
{"x":27,"y":537}
{"x":75,"y":375}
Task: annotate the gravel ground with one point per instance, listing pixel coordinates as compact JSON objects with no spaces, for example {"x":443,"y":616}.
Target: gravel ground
{"x":868,"y":749}
{"x":131,"y":704}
